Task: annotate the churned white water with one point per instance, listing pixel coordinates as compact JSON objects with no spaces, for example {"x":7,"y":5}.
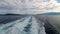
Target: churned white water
{"x":26,"y":25}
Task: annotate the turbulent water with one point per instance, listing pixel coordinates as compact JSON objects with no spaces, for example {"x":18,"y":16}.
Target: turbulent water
{"x":25,"y":25}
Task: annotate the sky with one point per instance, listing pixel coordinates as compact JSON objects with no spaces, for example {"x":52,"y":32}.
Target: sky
{"x":58,"y":1}
{"x":29,"y":6}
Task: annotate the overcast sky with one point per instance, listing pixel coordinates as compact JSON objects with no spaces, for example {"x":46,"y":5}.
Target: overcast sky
{"x":29,"y":6}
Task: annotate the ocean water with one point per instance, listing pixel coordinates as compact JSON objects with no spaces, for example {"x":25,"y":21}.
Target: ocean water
{"x":25,"y":25}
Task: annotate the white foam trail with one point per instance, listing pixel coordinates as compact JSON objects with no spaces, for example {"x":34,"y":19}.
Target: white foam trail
{"x":19,"y":26}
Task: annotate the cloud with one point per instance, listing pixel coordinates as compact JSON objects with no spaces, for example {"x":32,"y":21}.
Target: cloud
{"x":29,"y":7}
{"x":56,"y":8}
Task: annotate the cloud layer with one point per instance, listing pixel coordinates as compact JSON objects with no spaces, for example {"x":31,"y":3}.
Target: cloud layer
{"x":29,"y":6}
